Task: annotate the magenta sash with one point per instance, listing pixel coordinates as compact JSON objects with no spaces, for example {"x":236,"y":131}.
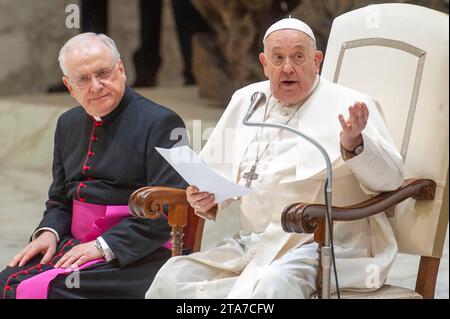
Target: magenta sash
{"x":91,"y":220}
{"x":88,"y":222}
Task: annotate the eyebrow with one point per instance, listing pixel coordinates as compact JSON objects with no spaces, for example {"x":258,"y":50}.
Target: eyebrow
{"x":103,"y":68}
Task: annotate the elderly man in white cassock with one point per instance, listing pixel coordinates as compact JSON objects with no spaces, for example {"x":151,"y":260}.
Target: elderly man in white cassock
{"x":261,"y":260}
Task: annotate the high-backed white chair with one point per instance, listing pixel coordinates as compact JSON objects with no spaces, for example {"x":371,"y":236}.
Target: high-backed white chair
{"x":398,"y":54}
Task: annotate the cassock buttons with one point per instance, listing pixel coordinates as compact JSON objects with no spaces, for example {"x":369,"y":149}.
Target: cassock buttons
{"x":97,"y":124}
{"x":91,"y":153}
{"x":94,"y":138}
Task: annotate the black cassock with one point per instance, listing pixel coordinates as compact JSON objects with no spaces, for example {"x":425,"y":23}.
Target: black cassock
{"x":103,"y":163}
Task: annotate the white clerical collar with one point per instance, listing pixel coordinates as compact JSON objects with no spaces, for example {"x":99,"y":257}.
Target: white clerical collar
{"x":97,"y":118}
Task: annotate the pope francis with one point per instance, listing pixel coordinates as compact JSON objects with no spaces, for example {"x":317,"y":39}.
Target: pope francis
{"x":262,"y":261}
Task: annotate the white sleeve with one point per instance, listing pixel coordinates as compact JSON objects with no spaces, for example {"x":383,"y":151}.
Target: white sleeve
{"x":377,"y":168}
{"x":40,"y":230}
{"x":109,"y":255}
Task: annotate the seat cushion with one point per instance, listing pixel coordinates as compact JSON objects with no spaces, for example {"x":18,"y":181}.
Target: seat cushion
{"x":385,"y":292}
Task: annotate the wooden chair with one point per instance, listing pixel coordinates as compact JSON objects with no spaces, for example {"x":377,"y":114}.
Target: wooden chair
{"x":171,"y":203}
{"x":398,"y":54}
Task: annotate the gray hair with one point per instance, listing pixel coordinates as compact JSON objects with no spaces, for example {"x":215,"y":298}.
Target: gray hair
{"x":82,"y":37}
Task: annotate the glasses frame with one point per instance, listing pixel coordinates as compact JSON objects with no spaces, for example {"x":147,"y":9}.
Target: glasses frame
{"x":291,"y":60}
{"x":100,"y":78}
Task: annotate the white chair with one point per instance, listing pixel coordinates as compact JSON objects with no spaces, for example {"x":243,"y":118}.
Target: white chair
{"x":398,"y":54}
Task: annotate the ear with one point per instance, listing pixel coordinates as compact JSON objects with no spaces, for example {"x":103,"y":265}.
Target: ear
{"x":122,"y":69}
{"x":262,"y":59}
{"x":318,"y":58}
{"x":67,"y":84}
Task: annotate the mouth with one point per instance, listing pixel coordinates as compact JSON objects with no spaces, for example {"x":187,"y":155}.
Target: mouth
{"x":289,"y":83}
{"x":100,"y":97}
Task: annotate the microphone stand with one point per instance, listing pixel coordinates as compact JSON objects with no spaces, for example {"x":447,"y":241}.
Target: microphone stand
{"x":326,"y":249}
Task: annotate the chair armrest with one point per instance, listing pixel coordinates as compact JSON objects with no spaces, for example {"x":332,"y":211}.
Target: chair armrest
{"x":305,"y":218}
{"x":148,"y":202}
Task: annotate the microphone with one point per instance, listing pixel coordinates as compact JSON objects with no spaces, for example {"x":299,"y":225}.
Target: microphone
{"x":327,"y":249}
{"x":257,"y":97}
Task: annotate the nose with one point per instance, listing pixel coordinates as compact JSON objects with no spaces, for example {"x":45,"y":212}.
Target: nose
{"x":96,"y":85}
{"x":287,"y":67}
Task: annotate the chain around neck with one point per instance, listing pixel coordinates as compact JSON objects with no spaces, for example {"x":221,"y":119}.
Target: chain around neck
{"x":258,"y":157}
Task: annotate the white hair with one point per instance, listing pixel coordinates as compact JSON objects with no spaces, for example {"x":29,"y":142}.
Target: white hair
{"x":80,"y":38}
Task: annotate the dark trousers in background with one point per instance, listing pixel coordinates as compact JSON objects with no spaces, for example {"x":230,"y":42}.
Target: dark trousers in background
{"x":147,"y":59}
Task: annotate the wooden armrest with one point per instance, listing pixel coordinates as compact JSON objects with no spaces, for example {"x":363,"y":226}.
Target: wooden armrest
{"x":304,"y":217}
{"x":148,"y":202}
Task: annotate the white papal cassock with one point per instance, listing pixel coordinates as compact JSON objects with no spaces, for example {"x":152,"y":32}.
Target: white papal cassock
{"x":262,"y":261}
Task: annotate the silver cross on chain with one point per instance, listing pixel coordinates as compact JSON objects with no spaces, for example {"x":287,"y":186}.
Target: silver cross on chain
{"x":250,"y":176}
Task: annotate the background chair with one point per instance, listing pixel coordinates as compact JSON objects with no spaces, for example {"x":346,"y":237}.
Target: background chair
{"x":398,"y":54}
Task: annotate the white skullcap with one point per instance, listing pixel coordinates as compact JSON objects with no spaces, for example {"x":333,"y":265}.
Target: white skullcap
{"x":290,"y":23}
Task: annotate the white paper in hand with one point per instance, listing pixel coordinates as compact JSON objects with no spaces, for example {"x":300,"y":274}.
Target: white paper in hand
{"x":195,"y":172}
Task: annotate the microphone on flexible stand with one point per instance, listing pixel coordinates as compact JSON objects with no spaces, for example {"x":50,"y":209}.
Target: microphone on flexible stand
{"x":327,"y":249}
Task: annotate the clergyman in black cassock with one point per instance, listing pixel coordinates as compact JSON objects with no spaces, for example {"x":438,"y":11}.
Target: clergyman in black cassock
{"x":101,"y":160}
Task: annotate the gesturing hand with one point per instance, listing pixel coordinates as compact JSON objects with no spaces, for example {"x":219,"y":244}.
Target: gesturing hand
{"x":78,"y":255}
{"x":353,"y":126}
{"x":45,"y":244}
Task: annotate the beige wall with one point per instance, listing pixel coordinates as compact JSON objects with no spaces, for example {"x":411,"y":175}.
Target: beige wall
{"x":32,"y":32}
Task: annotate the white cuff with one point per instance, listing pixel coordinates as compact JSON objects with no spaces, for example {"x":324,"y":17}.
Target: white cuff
{"x":40,"y":230}
{"x":109,"y":255}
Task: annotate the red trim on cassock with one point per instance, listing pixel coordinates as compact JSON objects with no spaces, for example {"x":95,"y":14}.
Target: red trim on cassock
{"x":26,"y":271}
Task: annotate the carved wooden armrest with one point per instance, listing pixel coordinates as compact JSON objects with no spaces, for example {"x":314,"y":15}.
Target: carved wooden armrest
{"x":305,"y":218}
{"x":310,"y":218}
{"x":148,"y":202}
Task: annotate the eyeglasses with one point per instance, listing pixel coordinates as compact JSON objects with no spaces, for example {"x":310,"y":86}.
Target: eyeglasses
{"x":278,"y":59}
{"x":85,"y":80}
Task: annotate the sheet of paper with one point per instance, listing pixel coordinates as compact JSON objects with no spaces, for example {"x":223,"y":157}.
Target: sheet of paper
{"x":195,"y":172}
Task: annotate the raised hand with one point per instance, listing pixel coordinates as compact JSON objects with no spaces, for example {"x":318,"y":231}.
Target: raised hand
{"x":352,"y":127}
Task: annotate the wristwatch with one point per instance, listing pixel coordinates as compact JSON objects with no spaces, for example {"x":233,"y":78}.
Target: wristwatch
{"x":358,"y":149}
{"x":99,"y":247}
{"x":350,"y":154}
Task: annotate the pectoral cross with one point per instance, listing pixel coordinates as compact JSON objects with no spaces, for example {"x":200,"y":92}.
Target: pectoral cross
{"x":250,"y":176}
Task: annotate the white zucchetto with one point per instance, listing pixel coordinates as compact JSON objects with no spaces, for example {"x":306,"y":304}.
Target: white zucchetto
{"x":290,"y":23}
